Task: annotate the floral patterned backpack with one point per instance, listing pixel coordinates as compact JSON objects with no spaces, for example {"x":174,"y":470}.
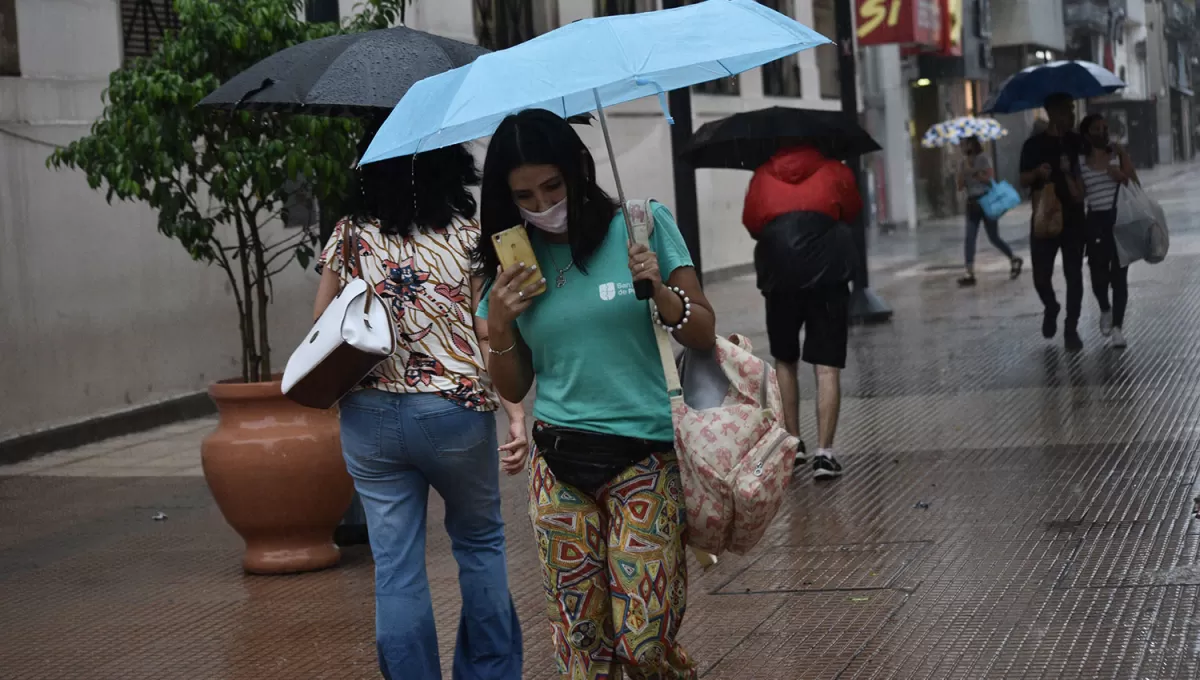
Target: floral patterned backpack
{"x":735,"y":457}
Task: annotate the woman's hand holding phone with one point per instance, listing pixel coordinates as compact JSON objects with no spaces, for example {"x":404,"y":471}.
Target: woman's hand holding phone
{"x":508,"y":299}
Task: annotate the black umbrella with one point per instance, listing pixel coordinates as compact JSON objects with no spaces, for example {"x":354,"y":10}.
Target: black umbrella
{"x":747,"y":140}
{"x":360,"y":74}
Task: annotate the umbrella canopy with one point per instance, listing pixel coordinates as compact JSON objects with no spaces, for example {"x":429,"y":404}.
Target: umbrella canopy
{"x":361,"y":74}
{"x":747,"y":140}
{"x":958,"y":129}
{"x":1028,"y":89}
{"x":589,"y":64}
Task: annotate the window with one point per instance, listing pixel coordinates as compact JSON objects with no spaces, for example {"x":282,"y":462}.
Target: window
{"x":143,"y":23}
{"x":500,"y":24}
{"x":825,"y":23}
{"x":608,"y":8}
{"x":10,"y":56}
{"x":781,"y":78}
{"x":325,"y":11}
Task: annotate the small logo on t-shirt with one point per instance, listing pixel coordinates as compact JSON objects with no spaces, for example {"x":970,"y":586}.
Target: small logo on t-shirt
{"x":610,"y":291}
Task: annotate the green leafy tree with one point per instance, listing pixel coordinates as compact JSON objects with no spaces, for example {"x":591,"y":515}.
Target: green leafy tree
{"x":219,"y":179}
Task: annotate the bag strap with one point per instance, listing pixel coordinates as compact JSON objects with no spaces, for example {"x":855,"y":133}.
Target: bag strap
{"x":352,"y":258}
{"x":642,"y":217}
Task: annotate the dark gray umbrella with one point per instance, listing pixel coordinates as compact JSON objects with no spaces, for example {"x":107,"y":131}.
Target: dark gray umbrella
{"x":361,"y":74}
{"x":747,"y":140}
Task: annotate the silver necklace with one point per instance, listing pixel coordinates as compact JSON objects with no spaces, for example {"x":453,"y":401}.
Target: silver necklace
{"x":561,"y":279}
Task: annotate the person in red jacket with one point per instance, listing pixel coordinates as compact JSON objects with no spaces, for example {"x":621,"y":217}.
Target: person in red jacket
{"x":797,"y":209}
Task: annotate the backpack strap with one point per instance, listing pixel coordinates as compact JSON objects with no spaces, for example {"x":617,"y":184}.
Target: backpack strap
{"x":641,"y":229}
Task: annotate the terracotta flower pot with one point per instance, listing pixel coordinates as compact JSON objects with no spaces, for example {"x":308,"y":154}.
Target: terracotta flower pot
{"x":276,"y":471}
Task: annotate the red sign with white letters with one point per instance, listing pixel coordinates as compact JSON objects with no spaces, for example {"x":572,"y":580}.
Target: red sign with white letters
{"x":904,"y":22}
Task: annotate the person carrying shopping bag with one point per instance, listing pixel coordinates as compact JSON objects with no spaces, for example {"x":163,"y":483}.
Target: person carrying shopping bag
{"x":975,"y":177}
{"x":1050,"y":170}
{"x":605,"y":495}
{"x":1104,"y":168}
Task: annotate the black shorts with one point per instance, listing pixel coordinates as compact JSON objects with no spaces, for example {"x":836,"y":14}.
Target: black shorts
{"x":825,"y":317}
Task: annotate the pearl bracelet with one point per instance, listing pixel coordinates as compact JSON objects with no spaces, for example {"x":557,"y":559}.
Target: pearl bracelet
{"x":687,"y":311}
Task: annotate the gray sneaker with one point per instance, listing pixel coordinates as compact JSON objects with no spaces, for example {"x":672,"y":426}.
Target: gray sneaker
{"x":1106,"y":323}
{"x":1118,"y":339}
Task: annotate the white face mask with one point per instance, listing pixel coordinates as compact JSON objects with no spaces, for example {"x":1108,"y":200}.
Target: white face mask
{"x":553,"y":220}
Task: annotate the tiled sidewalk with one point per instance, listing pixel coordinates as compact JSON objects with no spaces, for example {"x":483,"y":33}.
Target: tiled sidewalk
{"x":1009,"y":511}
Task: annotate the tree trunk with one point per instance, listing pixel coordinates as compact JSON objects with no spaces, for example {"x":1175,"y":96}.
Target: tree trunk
{"x":262,"y":293}
{"x":250,"y":369}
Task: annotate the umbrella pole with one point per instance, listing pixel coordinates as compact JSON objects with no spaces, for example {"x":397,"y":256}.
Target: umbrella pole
{"x":643,"y":290}
{"x":612,"y":160}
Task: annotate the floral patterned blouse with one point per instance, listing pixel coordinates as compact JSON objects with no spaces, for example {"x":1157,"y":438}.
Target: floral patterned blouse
{"x":425,"y":277}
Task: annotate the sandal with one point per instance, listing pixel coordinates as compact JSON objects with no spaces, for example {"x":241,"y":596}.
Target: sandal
{"x":1015,"y":271}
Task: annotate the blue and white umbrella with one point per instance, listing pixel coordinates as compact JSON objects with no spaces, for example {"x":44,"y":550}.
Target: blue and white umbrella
{"x":1029,"y":88}
{"x":958,"y":129}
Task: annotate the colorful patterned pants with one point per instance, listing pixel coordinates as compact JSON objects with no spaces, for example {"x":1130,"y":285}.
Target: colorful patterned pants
{"x":615,"y":571}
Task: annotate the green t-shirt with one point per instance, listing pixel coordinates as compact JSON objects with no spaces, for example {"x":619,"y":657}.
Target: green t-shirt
{"x":595,"y":358}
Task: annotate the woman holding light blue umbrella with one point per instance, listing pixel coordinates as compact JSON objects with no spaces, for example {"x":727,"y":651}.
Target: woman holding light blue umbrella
{"x":587,"y":65}
{"x":612,"y":540}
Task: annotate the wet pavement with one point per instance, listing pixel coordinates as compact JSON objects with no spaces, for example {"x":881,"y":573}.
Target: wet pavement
{"x":1009,"y":511}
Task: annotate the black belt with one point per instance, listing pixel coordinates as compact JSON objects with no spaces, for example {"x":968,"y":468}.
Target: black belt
{"x":589,"y":460}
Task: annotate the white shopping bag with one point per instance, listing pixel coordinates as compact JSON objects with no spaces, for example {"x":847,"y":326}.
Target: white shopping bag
{"x":1140,"y":229}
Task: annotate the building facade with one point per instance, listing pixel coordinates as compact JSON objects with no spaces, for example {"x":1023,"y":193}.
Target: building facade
{"x":102,"y":313}
{"x":1024,"y":33}
{"x":949,"y":84}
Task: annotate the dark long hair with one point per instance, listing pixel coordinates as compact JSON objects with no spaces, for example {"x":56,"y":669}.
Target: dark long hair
{"x":1086,"y":123}
{"x":439,"y":179}
{"x":538,"y":137}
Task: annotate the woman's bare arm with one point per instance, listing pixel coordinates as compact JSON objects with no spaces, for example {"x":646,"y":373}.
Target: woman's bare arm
{"x":1127,"y":164}
{"x":330,"y":286}
{"x":700,"y":332}
{"x":515,"y":411}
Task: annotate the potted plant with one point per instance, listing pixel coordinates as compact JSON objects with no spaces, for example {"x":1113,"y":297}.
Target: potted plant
{"x":220,"y":182}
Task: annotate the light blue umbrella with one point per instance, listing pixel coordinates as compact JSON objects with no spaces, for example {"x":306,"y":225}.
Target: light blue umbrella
{"x":587,"y":65}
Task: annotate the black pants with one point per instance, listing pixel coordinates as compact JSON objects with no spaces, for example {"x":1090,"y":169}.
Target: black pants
{"x":1044,"y":251}
{"x":1106,"y":269}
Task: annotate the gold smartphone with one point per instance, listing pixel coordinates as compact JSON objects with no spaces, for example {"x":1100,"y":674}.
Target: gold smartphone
{"x":513,"y":248}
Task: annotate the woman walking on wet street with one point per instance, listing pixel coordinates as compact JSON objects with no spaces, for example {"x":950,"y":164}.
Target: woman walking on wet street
{"x":605,"y":495}
{"x":425,"y":417}
{"x":1104,"y":167}
{"x":975,"y":178}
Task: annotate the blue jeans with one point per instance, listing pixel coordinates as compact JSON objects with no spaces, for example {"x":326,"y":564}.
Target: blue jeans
{"x":396,"y":447}
{"x":975,"y":216}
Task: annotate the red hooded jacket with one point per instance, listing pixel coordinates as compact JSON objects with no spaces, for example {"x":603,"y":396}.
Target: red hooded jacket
{"x":800,"y":179}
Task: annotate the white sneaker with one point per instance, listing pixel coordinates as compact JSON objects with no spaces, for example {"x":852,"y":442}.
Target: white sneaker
{"x":1106,"y":323}
{"x":1118,"y":339}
